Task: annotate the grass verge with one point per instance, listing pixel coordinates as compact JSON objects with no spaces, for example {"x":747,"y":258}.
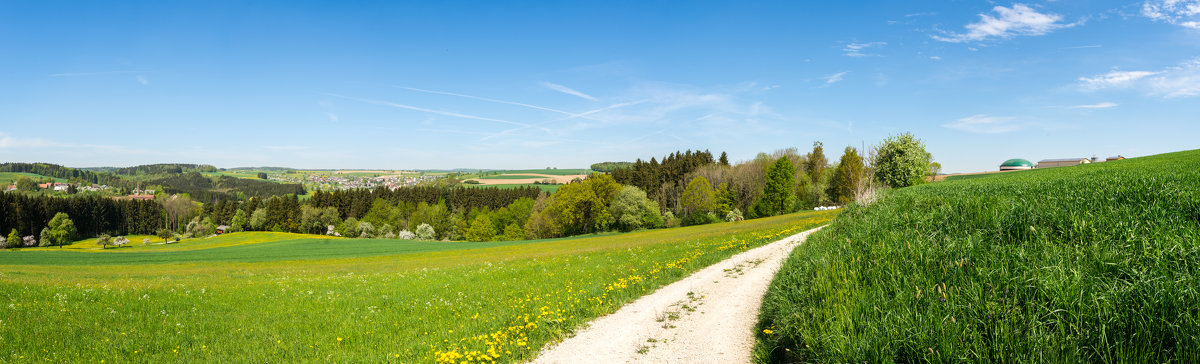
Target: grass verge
{"x":1092,"y":263}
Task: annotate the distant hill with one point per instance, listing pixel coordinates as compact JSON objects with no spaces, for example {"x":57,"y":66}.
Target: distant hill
{"x":174,"y":178}
{"x":274,"y":169}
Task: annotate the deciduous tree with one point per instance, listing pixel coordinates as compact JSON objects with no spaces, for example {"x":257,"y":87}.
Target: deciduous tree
{"x":901,"y":161}
{"x":46,"y":237}
{"x":103,"y":240}
{"x":62,"y":229}
{"x":632,"y":210}
{"x":848,"y":178}
{"x":697,"y":201}
{"x":14,"y":239}
{"x":481,"y":229}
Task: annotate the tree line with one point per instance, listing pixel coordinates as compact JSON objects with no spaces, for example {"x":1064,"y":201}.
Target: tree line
{"x":212,"y":189}
{"x":90,"y":215}
{"x":685,"y":188}
{"x":57,"y":171}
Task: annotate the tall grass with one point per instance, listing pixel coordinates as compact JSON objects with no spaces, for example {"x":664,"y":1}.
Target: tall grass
{"x":1093,"y":263}
{"x":473,"y":304}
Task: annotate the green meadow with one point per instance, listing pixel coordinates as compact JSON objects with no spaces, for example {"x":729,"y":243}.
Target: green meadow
{"x":8,"y":178}
{"x":294,"y":298}
{"x":1090,"y":263}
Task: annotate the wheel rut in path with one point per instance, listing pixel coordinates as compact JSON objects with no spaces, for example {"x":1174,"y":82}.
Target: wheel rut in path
{"x":707,"y":317}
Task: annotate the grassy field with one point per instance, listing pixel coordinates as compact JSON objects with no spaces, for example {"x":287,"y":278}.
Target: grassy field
{"x":157,"y":245}
{"x":8,"y":178}
{"x":345,"y":300}
{"x":1090,"y":263}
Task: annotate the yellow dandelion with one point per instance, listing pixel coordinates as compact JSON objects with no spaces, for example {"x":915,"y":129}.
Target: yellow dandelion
{"x":768,"y":331}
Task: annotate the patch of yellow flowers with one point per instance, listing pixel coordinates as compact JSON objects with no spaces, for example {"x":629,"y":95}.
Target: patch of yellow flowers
{"x":552,"y":310}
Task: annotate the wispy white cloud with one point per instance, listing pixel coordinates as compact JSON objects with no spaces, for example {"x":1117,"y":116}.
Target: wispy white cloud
{"x":985,"y":124}
{"x":431,"y":111}
{"x":568,"y":90}
{"x":11,"y":142}
{"x":332,"y":117}
{"x":936,"y":58}
{"x":531,"y":106}
{"x":1102,"y":105}
{"x":585,"y":114}
{"x":860,"y":49}
{"x":835,"y":78}
{"x":1114,"y":79}
{"x":1179,"y":12}
{"x":102,"y":73}
{"x":142,"y":80}
{"x":1182,"y":80}
{"x":286,"y":148}
{"x":1018,"y":20}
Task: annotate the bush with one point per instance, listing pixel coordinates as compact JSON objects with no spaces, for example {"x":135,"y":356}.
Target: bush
{"x":405,"y":235}
{"x":734,"y":216}
{"x":901,"y":161}
{"x":425,"y":232}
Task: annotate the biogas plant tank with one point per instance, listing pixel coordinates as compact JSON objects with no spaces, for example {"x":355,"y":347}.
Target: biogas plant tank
{"x":1015,"y":164}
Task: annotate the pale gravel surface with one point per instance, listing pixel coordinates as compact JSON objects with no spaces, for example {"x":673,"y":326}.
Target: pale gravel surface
{"x":707,"y":317}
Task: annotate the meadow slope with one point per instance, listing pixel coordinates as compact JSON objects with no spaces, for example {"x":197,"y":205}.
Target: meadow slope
{"x":1091,"y":263}
{"x":474,"y":304}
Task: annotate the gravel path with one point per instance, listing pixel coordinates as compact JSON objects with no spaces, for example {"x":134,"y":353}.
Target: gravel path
{"x":707,"y":317}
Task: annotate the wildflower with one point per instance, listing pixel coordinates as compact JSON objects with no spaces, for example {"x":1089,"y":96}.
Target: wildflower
{"x":768,"y":331}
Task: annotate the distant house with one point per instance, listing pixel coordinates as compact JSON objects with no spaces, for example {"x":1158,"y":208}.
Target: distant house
{"x":61,"y":186}
{"x":222,"y":229}
{"x":45,"y":185}
{"x":1062,"y":162}
{"x":1117,"y":158}
{"x":11,"y":188}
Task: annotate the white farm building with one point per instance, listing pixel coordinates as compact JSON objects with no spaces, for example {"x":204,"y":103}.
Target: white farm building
{"x":1063,"y":162}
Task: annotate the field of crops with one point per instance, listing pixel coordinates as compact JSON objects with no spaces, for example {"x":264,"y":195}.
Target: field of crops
{"x":552,"y":172}
{"x":345,"y":300}
{"x":510,"y":176}
{"x":1091,"y":263}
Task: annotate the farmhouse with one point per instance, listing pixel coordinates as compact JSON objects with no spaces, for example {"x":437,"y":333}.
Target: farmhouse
{"x":1015,"y":164}
{"x":1116,"y":158}
{"x":222,"y":229}
{"x":1063,"y":162}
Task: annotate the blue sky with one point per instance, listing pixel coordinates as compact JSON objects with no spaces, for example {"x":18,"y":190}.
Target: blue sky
{"x":533,"y":84}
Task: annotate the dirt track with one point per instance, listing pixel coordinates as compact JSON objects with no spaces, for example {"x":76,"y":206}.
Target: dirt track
{"x":708,"y":317}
